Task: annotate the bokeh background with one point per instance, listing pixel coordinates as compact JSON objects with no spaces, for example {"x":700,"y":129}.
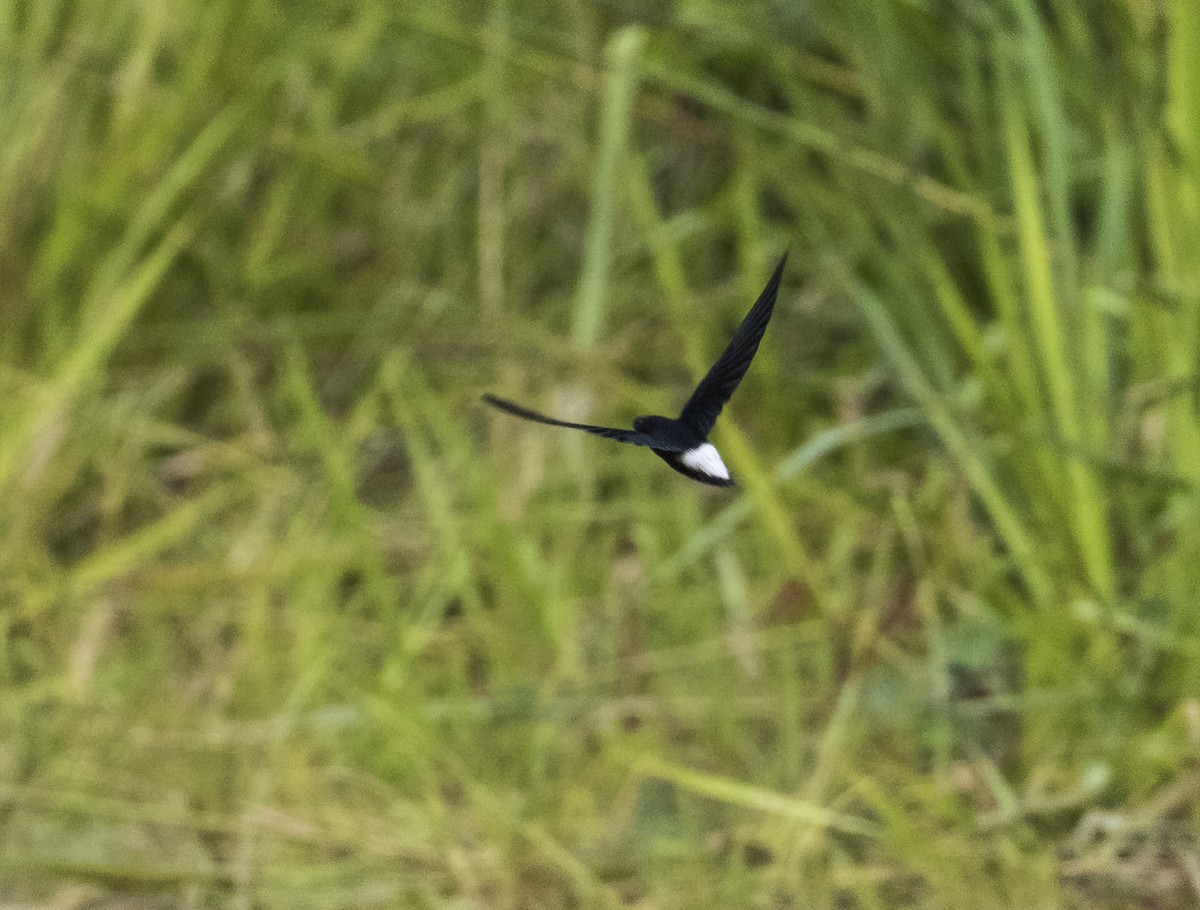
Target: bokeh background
{"x":288,"y":619}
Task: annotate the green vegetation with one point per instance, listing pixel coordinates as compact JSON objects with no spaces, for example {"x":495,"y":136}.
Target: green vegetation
{"x":289,"y":620}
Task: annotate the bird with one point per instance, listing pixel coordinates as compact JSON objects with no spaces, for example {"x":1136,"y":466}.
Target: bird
{"x":682,"y":442}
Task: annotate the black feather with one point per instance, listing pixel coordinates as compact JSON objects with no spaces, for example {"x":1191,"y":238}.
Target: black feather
{"x":670,"y":438}
{"x":631,"y":436}
{"x":703,"y":408}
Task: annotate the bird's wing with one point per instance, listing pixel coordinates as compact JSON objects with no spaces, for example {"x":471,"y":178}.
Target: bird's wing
{"x":701,"y":411}
{"x":631,"y":436}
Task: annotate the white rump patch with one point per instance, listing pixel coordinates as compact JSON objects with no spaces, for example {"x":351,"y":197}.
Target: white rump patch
{"x":706,"y":460}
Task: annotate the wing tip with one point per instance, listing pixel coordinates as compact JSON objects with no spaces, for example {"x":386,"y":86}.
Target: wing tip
{"x":508,"y":407}
{"x":777,"y":275}
{"x":497,"y":402}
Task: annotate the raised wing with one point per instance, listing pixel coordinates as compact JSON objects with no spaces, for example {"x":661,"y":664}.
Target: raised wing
{"x":631,"y":436}
{"x":700,"y":413}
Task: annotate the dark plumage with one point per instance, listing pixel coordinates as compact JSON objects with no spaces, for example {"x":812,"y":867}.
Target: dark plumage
{"x":683,"y":442}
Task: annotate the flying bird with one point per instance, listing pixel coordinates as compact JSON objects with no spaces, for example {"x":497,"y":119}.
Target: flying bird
{"x":683,"y":442}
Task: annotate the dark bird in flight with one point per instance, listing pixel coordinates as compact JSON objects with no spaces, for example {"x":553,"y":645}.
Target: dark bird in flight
{"x":683,"y":443}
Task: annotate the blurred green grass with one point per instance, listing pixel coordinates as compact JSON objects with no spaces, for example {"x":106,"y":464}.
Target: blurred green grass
{"x":288,"y":620}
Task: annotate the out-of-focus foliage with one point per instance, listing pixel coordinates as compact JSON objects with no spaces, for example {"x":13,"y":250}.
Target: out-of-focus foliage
{"x":287,"y":619}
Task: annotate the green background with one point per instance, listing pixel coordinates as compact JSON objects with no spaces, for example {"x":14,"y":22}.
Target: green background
{"x":289,"y":619}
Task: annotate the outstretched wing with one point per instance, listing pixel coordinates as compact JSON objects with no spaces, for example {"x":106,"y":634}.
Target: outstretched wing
{"x":631,"y":436}
{"x":701,"y":411}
